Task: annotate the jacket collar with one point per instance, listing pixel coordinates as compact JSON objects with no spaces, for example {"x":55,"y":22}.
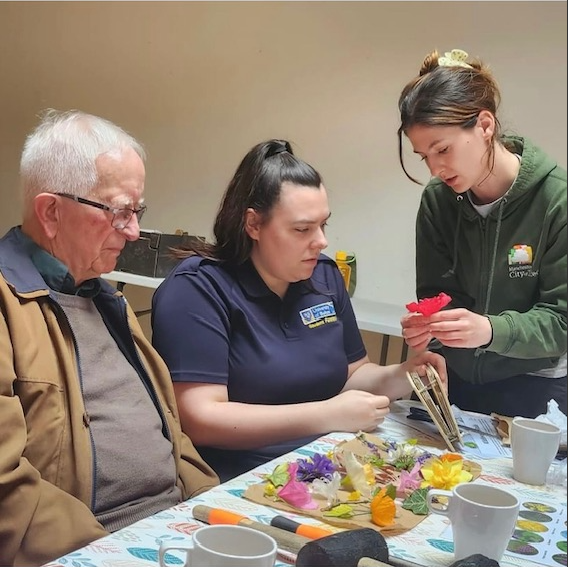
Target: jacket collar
{"x":29,"y":268}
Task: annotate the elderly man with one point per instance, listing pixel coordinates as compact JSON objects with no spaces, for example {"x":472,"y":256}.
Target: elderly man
{"x":90,"y":439}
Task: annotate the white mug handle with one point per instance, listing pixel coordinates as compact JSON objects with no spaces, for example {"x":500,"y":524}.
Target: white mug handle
{"x":441,"y":509}
{"x":164,"y":548}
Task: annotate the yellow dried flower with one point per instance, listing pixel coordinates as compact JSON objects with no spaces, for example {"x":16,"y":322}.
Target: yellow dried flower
{"x":444,"y":473}
{"x":269,"y":489}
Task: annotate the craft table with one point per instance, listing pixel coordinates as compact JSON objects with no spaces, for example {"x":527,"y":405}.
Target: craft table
{"x":425,"y":545}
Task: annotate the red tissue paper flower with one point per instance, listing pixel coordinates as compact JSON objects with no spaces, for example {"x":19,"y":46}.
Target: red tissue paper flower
{"x":429,"y":305}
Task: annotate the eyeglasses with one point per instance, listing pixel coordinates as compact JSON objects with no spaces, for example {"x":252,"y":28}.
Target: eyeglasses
{"x":120,"y":217}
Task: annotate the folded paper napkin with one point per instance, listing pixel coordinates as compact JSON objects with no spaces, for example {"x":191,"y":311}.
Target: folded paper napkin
{"x":553,"y":415}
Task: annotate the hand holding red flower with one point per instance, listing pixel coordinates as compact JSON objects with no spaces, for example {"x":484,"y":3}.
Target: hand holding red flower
{"x":429,"y":305}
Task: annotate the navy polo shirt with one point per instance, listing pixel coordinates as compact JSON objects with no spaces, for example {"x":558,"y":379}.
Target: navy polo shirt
{"x":221,"y":324}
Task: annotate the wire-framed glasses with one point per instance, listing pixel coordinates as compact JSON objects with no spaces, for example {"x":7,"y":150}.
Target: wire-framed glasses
{"x":120,"y":217}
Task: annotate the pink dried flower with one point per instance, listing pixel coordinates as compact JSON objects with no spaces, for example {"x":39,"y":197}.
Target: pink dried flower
{"x":409,"y":481}
{"x":296,"y":493}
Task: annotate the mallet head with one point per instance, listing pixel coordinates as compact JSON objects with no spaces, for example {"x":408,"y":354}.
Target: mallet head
{"x":344,"y":549}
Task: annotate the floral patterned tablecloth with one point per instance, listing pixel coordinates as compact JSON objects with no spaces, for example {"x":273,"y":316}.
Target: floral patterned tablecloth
{"x":427,"y":544}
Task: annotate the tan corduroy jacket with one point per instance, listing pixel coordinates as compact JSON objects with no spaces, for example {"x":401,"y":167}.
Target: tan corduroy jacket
{"x":46,"y":462}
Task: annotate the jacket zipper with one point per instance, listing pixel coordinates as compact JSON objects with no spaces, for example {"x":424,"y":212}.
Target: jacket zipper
{"x":482,"y":289}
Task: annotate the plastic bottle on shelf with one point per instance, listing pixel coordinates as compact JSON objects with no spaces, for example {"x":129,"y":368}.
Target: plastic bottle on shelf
{"x":346,"y":263}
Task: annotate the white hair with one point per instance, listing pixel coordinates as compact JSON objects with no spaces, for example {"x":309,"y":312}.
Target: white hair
{"x":59,"y":156}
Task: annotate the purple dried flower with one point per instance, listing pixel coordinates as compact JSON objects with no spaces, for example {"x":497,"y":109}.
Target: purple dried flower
{"x":391,"y":445}
{"x":374,"y":448}
{"x":319,"y":466}
{"x":423,"y":457}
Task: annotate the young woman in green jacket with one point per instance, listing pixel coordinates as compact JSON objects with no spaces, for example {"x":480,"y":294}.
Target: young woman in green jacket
{"x":491,"y":233}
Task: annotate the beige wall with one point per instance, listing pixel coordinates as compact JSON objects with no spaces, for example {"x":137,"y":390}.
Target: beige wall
{"x":201,"y":82}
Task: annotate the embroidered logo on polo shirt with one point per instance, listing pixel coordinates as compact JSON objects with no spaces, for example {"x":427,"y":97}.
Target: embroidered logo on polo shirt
{"x":319,"y":314}
{"x":520,"y":260}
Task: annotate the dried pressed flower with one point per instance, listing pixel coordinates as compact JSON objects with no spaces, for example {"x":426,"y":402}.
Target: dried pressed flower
{"x":444,"y":472}
{"x":327,"y":487}
{"x":409,"y":481}
{"x":319,"y":466}
{"x":383,"y":509}
{"x":296,"y":493}
{"x":403,"y":455}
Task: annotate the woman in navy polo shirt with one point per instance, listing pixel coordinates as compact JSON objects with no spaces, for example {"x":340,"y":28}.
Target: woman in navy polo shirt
{"x":258,"y":330}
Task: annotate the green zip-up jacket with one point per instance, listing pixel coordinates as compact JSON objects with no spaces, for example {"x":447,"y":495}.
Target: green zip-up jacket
{"x":46,"y":457}
{"x":510,"y":266}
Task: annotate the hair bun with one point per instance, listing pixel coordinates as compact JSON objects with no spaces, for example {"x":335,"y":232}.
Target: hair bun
{"x":277,"y":147}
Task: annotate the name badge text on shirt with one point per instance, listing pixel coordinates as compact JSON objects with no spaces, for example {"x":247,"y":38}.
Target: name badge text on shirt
{"x":318,"y":315}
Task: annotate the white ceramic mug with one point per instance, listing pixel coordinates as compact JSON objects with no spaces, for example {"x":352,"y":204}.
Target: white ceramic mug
{"x":223,"y":546}
{"x":483,"y":518}
{"x":534,"y":444}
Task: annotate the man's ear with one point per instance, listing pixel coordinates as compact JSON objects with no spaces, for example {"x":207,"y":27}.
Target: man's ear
{"x":48,"y":213}
{"x":253,"y":222}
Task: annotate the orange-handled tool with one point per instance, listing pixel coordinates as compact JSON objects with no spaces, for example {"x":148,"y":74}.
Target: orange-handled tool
{"x":219,"y":516}
{"x":306,"y":530}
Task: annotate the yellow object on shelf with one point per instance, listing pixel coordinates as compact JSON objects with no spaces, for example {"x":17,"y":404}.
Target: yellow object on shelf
{"x":344,"y":267}
{"x":346,"y":263}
